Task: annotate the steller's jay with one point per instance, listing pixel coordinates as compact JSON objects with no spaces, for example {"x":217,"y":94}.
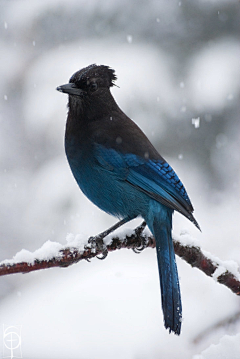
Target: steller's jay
{"x":120,"y":171}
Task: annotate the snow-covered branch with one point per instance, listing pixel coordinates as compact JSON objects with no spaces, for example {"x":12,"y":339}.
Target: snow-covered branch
{"x":53,"y":254}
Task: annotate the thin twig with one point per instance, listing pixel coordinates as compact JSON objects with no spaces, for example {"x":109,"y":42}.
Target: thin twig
{"x":224,"y":323}
{"x":70,"y":255}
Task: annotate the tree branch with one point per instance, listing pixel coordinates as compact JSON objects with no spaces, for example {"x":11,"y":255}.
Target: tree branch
{"x":224,"y":323}
{"x":70,"y":254}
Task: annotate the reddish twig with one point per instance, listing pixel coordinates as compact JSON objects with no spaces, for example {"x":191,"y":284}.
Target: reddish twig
{"x":195,"y":257}
{"x":68,"y":256}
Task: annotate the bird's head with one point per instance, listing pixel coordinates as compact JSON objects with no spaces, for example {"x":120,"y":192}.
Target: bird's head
{"x":89,"y":81}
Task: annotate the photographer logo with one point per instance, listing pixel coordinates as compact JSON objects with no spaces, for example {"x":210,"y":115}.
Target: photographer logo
{"x":12,"y":341}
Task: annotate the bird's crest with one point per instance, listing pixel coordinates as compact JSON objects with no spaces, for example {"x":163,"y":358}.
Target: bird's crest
{"x":95,"y":71}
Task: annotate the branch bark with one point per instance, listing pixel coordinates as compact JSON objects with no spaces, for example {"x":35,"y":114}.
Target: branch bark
{"x":136,"y":241}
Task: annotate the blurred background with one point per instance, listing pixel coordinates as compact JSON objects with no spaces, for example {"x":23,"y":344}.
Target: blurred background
{"x":178,"y":71}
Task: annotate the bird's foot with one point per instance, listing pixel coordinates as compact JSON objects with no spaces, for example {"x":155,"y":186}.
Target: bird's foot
{"x":98,"y":245}
{"x":140,"y":228}
{"x":142,"y":239}
{"x":142,"y":246}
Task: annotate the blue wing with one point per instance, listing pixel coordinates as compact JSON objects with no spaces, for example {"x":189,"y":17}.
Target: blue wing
{"x":154,"y":177}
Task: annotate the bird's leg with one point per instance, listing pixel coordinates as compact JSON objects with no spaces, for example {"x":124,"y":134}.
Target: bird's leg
{"x":140,"y":228}
{"x":97,"y":241}
{"x":138,"y":232}
{"x":113,"y":228}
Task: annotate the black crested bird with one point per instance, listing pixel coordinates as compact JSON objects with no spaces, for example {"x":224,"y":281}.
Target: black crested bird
{"x":119,"y":170}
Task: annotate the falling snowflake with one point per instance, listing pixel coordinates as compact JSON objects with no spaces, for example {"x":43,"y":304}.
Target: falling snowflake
{"x":129,"y":39}
{"x":196,"y":122}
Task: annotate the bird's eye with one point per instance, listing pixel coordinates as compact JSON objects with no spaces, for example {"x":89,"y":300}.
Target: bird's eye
{"x":93,"y":86}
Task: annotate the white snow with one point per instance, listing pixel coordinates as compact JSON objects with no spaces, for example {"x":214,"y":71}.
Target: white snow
{"x":227,"y":348}
{"x":219,"y":271}
{"x":196,"y":122}
{"x":214,"y":74}
{"x":222,"y":266}
{"x":229,"y":265}
{"x":48,"y":250}
{"x":52,"y":249}
{"x":112,"y":308}
{"x":186,"y":239}
{"x":129,"y":39}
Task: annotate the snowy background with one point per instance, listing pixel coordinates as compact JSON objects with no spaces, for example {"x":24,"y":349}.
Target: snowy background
{"x":178,"y":67}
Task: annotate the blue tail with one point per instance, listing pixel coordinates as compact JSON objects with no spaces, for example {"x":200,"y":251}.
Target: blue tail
{"x":170,"y":290}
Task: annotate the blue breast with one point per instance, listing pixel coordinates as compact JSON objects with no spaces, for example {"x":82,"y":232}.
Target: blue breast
{"x":104,"y":184}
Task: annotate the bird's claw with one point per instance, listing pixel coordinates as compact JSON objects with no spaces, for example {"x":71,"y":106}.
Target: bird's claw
{"x":104,"y":254}
{"x":138,"y":232}
{"x":98,"y":245}
{"x":142,"y":246}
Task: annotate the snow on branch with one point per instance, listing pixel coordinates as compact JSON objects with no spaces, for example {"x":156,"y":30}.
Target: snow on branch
{"x":53,"y":254}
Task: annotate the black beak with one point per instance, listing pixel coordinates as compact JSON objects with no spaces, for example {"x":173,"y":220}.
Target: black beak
{"x":70,"y":89}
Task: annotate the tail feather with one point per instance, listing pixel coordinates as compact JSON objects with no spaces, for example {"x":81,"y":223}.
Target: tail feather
{"x":170,"y":290}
